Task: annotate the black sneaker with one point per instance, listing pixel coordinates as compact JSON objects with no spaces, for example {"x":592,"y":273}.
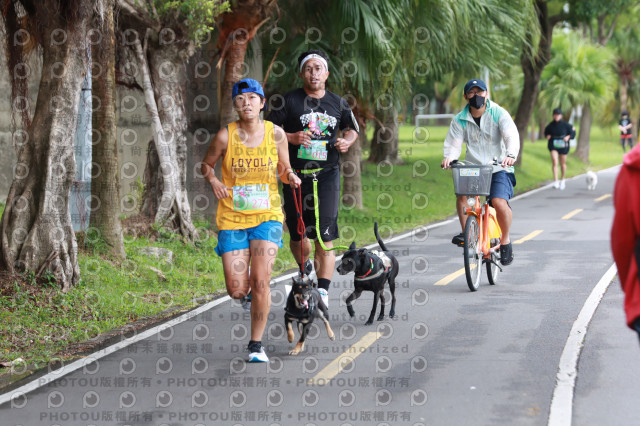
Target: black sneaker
{"x":506,"y":254}
{"x":458,"y":240}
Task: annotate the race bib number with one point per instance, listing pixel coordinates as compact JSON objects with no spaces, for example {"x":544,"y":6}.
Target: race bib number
{"x":469,"y":172}
{"x":559,"y":143}
{"x":317,"y":151}
{"x":251,"y":197}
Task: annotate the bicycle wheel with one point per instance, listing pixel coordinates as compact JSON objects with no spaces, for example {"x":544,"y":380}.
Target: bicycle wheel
{"x":492,"y":269}
{"x":472,"y":253}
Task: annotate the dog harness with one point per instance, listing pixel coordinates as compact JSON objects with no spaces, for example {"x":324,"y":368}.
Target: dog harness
{"x":386,"y":263}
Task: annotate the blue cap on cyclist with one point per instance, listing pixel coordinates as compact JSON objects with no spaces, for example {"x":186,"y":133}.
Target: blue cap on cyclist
{"x":476,"y":82}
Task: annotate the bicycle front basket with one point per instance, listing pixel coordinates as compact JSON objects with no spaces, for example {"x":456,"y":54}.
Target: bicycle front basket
{"x":472,"y":180}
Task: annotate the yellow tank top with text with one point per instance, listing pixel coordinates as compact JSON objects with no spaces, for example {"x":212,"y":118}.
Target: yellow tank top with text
{"x":252,"y":174}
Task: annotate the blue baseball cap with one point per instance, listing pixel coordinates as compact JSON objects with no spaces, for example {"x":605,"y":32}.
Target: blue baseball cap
{"x":476,"y":82}
{"x":247,"y":85}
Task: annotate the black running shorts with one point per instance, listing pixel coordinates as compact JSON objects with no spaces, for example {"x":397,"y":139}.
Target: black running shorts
{"x":328,"y":202}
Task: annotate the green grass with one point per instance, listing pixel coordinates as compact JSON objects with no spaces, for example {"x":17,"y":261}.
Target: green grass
{"x":37,"y":323}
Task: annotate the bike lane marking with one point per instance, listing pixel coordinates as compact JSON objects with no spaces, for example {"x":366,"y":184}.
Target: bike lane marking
{"x":446,"y":280}
{"x":531,"y":236}
{"x":337,"y":365}
{"x":571,"y":214}
{"x":561,"y":410}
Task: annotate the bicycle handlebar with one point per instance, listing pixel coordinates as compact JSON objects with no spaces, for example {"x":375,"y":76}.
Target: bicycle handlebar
{"x":459,"y":163}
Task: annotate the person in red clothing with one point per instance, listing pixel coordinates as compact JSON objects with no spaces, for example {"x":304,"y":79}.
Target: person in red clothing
{"x":625,"y":234}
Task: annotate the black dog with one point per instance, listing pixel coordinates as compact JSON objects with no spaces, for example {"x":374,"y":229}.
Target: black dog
{"x":304,"y":305}
{"x":372,"y":270}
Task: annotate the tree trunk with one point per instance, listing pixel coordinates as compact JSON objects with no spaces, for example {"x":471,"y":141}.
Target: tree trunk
{"x":384,"y":145}
{"x":532,"y":66}
{"x":527,"y":101}
{"x":105,"y":182}
{"x":624,"y":94}
{"x":582,"y":151}
{"x":233,"y":68}
{"x":37,"y":233}
{"x":165,"y":198}
{"x":542,"y":123}
{"x":351,"y":171}
{"x":441,"y":108}
{"x":168,"y":88}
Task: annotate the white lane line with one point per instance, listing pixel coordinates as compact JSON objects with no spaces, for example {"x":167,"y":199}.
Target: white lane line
{"x":561,"y":411}
{"x":69,"y":368}
{"x":533,"y":191}
{"x":550,"y":185}
{"x":415,"y":231}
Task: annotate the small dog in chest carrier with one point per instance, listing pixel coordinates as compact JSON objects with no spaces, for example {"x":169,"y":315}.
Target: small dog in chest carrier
{"x":372,"y":270}
{"x":304,"y":305}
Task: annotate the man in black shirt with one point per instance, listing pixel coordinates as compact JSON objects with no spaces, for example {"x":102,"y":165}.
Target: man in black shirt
{"x":311,"y":117}
{"x":558,"y":133}
{"x":626,"y":135}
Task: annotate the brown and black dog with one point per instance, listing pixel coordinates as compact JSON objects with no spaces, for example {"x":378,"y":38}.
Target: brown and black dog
{"x":304,"y":305}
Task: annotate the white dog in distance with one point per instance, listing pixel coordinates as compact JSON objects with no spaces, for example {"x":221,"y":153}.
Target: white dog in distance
{"x":592,"y":181}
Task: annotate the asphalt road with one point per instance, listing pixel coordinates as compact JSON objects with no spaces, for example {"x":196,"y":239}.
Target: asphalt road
{"x":450,"y":357}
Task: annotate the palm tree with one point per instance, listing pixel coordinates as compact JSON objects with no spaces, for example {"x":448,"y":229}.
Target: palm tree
{"x":626,"y":43}
{"x":579,"y":74}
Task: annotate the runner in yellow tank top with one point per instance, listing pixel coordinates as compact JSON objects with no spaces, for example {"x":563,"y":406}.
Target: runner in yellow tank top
{"x":249,"y":215}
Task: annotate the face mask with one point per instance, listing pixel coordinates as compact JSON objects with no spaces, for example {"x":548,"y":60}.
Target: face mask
{"x":476,"y":102}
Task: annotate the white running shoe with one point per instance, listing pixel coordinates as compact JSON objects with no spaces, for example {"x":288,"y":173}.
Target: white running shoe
{"x":258,"y":356}
{"x":556,"y":184}
{"x":325,"y":296}
{"x":562,"y":184}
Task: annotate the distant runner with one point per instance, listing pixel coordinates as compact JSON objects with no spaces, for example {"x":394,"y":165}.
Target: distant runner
{"x":558,"y":133}
{"x":626,"y":134}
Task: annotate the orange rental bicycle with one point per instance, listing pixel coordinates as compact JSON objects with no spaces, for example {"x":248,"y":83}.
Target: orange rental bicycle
{"x":481,"y":232}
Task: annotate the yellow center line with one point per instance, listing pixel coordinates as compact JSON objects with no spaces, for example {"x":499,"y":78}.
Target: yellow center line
{"x":528,"y":237}
{"x":571,"y":214}
{"x":338,"y":364}
{"x":603,"y":197}
{"x":446,"y":280}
